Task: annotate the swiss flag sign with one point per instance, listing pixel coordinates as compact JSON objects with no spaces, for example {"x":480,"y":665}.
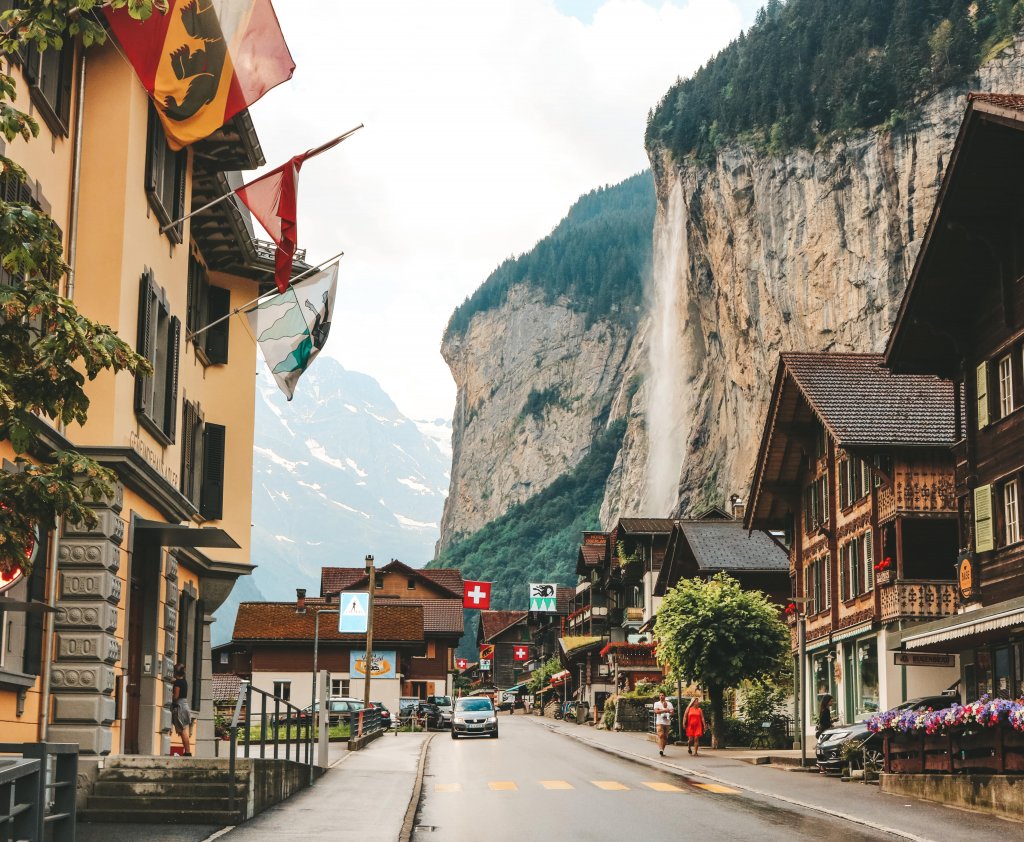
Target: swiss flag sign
{"x":476,"y":595}
{"x":520,"y":653}
{"x":461,"y":663}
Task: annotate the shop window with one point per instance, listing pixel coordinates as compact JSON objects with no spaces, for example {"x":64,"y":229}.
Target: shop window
{"x":866,"y":679}
{"x":159,"y":338}
{"x":165,"y":178}
{"x":283,"y":690}
{"x":1011,"y":512}
{"x":823,"y":677}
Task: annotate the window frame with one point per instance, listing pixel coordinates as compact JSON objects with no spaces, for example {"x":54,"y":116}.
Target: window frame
{"x":1010,"y":494}
{"x":283,"y":689}
{"x":159,"y":341}
{"x":159,"y":180}
{"x":1004,"y":382}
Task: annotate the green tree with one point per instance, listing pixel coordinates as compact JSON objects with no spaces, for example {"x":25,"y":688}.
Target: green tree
{"x":48,"y":349}
{"x":716,"y":634}
{"x":541,"y":675}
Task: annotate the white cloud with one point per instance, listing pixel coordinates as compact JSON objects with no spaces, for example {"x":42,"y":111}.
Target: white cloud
{"x":484,"y":122}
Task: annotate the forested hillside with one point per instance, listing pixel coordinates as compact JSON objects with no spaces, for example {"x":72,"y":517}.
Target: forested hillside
{"x":811,"y":68}
{"x":597,"y":256}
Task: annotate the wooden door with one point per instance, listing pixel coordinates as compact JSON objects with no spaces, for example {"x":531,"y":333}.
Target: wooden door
{"x":134,"y":689}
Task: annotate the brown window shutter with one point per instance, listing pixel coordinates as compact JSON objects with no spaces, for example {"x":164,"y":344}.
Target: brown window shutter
{"x":844,"y":492}
{"x":67,"y":75}
{"x":211,"y":504}
{"x":174,"y":352}
{"x":219,"y":307}
{"x":145,"y":329}
{"x":188,"y":421}
{"x":33,"y":652}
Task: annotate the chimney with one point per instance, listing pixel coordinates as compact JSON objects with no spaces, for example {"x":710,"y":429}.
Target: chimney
{"x":737,"y":506}
{"x":300,"y":600}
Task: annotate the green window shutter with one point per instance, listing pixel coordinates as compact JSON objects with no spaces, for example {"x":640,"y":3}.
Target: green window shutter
{"x":844,"y":579}
{"x":844,"y":473}
{"x":219,"y":307}
{"x":211,"y":503}
{"x":824,"y":499}
{"x":983,"y":535}
{"x":982,"y":386}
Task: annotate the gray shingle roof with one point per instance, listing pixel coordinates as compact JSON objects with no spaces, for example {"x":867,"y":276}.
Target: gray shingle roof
{"x":646,"y":524}
{"x":863,"y":403}
{"x":726,"y":545}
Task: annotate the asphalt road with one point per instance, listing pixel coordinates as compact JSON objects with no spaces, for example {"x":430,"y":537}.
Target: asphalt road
{"x":532,"y":784}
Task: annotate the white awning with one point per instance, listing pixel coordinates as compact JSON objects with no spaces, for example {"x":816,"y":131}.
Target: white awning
{"x":1000,"y":616}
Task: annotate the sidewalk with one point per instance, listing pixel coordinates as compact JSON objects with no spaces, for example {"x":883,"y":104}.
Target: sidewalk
{"x":856,"y":802}
{"x":363,"y":796}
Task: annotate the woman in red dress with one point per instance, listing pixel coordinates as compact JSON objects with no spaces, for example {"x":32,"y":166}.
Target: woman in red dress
{"x":693,"y":721}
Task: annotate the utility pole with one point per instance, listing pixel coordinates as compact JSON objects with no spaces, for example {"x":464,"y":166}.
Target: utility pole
{"x":372,"y":580}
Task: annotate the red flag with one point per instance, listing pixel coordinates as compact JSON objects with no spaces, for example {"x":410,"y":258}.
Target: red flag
{"x":272,"y":198}
{"x":461,"y":663}
{"x":203,"y":61}
{"x":476,"y":595}
{"x":520,"y":653}
{"x":486,"y":651}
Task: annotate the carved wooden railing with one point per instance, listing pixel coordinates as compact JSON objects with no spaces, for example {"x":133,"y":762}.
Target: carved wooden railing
{"x":996,"y":750}
{"x":886,"y":503}
{"x":919,"y":598}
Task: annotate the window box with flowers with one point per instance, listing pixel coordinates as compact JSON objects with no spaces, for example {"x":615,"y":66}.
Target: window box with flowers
{"x":884,"y":571}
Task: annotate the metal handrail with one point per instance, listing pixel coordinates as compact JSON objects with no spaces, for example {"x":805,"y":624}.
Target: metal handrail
{"x":21,"y":816}
{"x":291,"y":713}
{"x":56,"y":787}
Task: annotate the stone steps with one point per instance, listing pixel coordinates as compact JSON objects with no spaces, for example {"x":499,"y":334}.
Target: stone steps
{"x":214,"y":817}
{"x":159,"y":803}
{"x":177,"y":788}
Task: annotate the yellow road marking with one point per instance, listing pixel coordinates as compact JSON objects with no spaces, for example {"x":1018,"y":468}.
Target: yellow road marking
{"x":447,"y":787}
{"x":659,"y":786}
{"x":556,"y":785}
{"x":611,"y":785}
{"x":717,"y":788}
{"x":503,"y":785}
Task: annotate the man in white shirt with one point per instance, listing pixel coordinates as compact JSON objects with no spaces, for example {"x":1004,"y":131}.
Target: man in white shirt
{"x":663,"y":711}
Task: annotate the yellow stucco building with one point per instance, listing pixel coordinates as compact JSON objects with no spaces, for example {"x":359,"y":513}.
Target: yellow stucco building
{"x":135,"y":595}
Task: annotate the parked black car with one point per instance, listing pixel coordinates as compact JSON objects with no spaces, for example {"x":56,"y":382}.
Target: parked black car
{"x":385,"y":714}
{"x":431,"y":716}
{"x":830,"y":749}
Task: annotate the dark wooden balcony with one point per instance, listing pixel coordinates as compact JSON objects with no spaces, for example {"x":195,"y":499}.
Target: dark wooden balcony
{"x":917,"y":599}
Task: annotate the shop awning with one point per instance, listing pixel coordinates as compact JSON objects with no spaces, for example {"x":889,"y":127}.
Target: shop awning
{"x":560,"y":677}
{"x":515,"y":688}
{"x":999,"y":616}
{"x":175,"y":535}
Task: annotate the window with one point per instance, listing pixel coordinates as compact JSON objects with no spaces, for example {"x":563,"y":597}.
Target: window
{"x":816,"y":504}
{"x":430,"y":651}
{"x":207,"y":305}
{"x":410,"y":585}
{"x":202,"y":461}
{"x":224,"y":657}
{"x":1005,"y":386}
{"x":49,"y":75}
{"x":159,"y":337}
{"x":818,"y":585}
{"x":866,"y":685}
{"x":856,"y":560}
{"x":165,"y":178}
{"x":283,"y":690}
{"x":339,"y":686}
{"x":378,"y":583}
{"x":1011,"y":512}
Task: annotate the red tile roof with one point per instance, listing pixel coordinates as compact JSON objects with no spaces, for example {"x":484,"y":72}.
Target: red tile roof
{"x":592,"y":554}
{"x":1012,"y":102}
{"x":494,"y":623}
{"x":446,"y":577}
{"x":863,"y":403}
{"x":563,"y":598}
{"x":334,"y":580}
{"x":442,"y":616}
{"x":225,"y":687}
{"x":397,"y":622}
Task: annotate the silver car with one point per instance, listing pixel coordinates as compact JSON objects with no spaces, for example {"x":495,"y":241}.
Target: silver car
{"x":444,"y":705}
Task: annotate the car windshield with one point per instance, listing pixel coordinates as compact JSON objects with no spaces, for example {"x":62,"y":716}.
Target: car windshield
{"x":440,"y":700}
{"x":473,"y":704}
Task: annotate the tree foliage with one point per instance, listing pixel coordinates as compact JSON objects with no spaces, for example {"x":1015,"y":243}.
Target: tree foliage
{"x":540,"y":676}
{"x":597,"y":258}
{"x":48,"y":349}
{"x":810,"y":68}
{"x":717,"y":634}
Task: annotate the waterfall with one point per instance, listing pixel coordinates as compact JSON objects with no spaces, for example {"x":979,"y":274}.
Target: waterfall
{"x":668,"y":410}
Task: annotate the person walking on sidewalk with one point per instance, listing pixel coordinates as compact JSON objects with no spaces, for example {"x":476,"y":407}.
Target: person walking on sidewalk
{"x":181,"y":713}
{"x":663,"y":711}
{"x":693,"y":721}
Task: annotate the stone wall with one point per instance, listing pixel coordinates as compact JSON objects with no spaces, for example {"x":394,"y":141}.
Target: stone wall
{"x":999,"y":794}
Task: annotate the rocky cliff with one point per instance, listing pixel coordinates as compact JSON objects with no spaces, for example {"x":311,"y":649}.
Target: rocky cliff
{"x":754,"y":254}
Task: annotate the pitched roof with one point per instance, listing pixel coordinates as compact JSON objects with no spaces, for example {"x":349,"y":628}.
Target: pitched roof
{"x":442,"y":616}
{"x":334,"y":580}
{"x":225,"y":686}
{"x":576,"y":643}
{"x":493,"y":623}
{"x":592,"y":554}
{"x":646,"y":524}
{"x":726,"y":545}
{"x":1011,"y":102}
{"x":563,"y":598}
{"x":863,"y":403}
{"x":398,"y":622}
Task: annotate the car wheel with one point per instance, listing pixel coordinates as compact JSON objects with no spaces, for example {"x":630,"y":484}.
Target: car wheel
{"x":494,"y":736}
{"x":454,"y":736}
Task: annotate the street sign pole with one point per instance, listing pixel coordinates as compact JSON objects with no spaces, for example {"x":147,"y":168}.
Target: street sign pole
{"x":372,"y":584}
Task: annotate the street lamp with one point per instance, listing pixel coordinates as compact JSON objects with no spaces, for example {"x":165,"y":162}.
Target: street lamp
{"x":801,"y":637}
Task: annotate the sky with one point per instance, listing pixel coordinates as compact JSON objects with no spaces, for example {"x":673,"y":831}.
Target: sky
{"x":484,"y":121}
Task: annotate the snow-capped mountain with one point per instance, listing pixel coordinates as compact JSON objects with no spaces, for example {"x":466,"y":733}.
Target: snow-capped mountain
{"x":339,"y":473}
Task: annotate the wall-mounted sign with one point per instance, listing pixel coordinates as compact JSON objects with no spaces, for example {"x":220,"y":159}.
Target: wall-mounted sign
{"x":965,"y":576}
{"x":923,"y":659}
{"x":353,"y":612}
{"x":383,"y":664}
{"x":486,"y":651}
{"x":485,"y":665}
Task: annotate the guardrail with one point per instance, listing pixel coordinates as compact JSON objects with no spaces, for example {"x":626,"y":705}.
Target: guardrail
{"x":283,"y":711}
{"x":37,"y":791}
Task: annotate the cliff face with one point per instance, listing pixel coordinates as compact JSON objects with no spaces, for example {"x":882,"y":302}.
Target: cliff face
{"x":753,"y":255}
{"x":535,"y":385}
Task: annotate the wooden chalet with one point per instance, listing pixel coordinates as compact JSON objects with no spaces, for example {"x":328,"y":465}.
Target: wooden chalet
{"x":508,"y":632}
{"x":438,"y":592}
{"x":962,"y":318}
{"x":854,"y":473}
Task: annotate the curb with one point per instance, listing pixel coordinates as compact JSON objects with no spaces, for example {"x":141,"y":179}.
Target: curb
{"x":684,"y":773}
{"x":414,"y":799}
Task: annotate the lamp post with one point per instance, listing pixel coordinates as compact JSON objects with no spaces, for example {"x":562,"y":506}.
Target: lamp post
{"x":300,"y":608}
{"x":801,"y":705}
